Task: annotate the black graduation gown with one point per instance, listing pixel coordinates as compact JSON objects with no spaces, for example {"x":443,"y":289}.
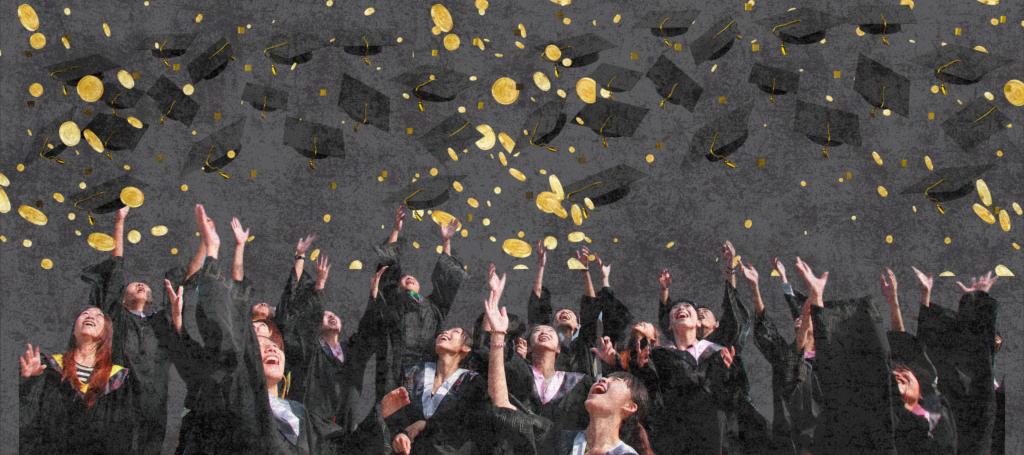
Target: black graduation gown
{"x":518,"y":377}
{"x":411,"y":326}
{"x":576,"y":355}
{"x":565,"y":410}
{"x":853,"y":369}
{"x":321,"y":382}
{"x":137,"y":347}
{"x":460,"y":424}
{"x":962,"y":346}
{"x":54,"y":419}
{"x":999,"y":431}
{"x":913,"y":434}
{"x":234,"y":414}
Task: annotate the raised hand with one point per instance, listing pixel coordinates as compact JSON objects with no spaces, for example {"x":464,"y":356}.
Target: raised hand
{"x":304,"y":244}
{"x":926,"y":281}
{"x":605,"y":350}
{"x":606,"y":270}
{"x":643,"y":354}
{"x":449,"y":230}
{"x":323,"y":267}
{"x":729,"y":253}
{"x":749,"y":273}
{"x":981,"y":283}
{"x":777,"y":264}
{"x":399,"y":216}
{"x":393,"y":401}
{"x":542,"y":254}
{"x":665,"y":279}
{"x":584,"y":258}
{"x":815,"y":285}
{"x":402,"y":444}
{"x":496,"y":284}
{"x":728,"y":355}
{"x":208,"y":231}
{"x":176,"y":304}
{"x":497,"y":319}
{"x":240,"y":236}
{"x":889,"y":287}
{"x":122,"y":213}
{"x":30,"y":363}
{"x":375,"y":282}
{"x":521,"y":347}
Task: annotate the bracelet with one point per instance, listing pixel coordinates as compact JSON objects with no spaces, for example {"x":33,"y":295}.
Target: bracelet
{"x":300,"y":256}
{"x":494,"y":332}
{"x":497,"y":345}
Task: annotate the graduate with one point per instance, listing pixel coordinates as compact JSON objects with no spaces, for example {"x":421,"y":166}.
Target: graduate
{"x":76,"y":402}
{"x":412,"y":321}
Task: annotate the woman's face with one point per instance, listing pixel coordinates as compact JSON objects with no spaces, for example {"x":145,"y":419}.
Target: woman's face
{"x":647,"y":330}
{"x":273,"y":358}
{"x":90,"y":323}
{"x":684,"y":316}
{"x":409,"y":283}
{"x":262,"y":311}
{"x":451,"y":341}
{"x":331,"y":323}
{"x":545,"y":337}
{"x":609,"y":396}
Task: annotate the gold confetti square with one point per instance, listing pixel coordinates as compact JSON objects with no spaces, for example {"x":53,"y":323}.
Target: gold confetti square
{"x":469,"y":217}
{"x":31,"y":104}
{"x":87,"y":112}
{"x":559,"y":14}
{"x":516,"y":32}
{"x":748,"y":7}
{"x":931,"y":116}
{"x":721,"y":100}
{"x":1002,"y":19}
{"x":252,"y":174}
{"x":679,"y":46}
{"x":755,"y":48}
{"x":634,"y":56}
{"x":433,"y":53}
{"x":903,"y":163}
{"x":28,"y":53}
{"x":529,"y":194}
{"x":334,"y":185}
{"x":476,"y":41}
{"x":248,"y":67}
{"x":323,"y":92}
{"x":480,"y":105}
{"x":136,"y":75}
{"x":519,"y":86}
{"x":760,"y":162}
{"x":583,"y":160}
{"x":657,"y":145}
{"x":88,"y":171}
{"x":216,"y":115}
{"x":384,"y":174}
{"x":849,"y":175}
{"x":241,"y":30}
{"x":958,"y":31}
{"x":177,"y":67}
{"x":836,"y":74}
{"x":159,"y":158}
{"x":408,"y":131}
{"x":40,"y":204}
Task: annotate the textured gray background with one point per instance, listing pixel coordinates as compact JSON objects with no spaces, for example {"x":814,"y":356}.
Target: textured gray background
{"x":696,"y":204}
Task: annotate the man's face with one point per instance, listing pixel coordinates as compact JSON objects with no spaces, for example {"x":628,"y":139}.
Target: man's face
{"x":409,"y":283}
{"x":262,"y":311}
{"x":138,"y":291}
{"x":331,"y":323}
{"x":566,"y":318}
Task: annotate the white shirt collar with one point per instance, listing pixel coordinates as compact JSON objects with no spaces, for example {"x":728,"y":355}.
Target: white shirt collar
{"x":283,"y":411}
{"x":432,"y":400}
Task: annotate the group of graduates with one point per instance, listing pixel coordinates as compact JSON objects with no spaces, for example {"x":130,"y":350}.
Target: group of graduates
{"x":278,"y":380}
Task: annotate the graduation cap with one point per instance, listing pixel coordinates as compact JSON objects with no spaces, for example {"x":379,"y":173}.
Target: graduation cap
{"x":604,"y":187}
{"x":800,"y":26}
{"x":882,"y":87}
{"x":545,"y":123}
{"x":722,"y":136}
{"x":167,"y":45}
{"x":826,"y":126}
{"x":615,"y":78}
{"x":172,"y":102}
{"x":434,"y":84}
{"x":959,"y":65}
{"x":46,"y":142}
{"x":292,"y":49}
{"x":882,"y":19}
{"x":424,"y":193}
{"x":948,"y":183}
{"x":774,"y":81}
{"x":365,"y":42}
{"x":106,"y":197}
{"x":454,"y":133}
{"x":581,"y":50}
{"x":264,"y":98}
{"x":109,"y":132}
{"x":211,"y":62}
{"x":716,"y":41}
{"x":974,"y":124}
{"x":71,"y":71}
{"x":313,"y":140}
{"x":665,"y":24}
{"x":610,"y":118}
{"x":116,"y":96}
{"x":674,"y":85}
{"x":364,"y":104}
{"x":215,"y":151}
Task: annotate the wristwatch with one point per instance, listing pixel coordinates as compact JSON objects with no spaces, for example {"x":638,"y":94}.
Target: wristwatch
{"x":299,"y":256}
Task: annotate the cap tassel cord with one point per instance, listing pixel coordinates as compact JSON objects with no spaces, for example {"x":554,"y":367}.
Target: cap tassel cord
{"x":105,"y":145}
{"x":168,"y":112}
{"x":62,"y":82}
{"x":541,"y":144}
{"x":601,"y":131}
{"x":273,"y":69}
{"x":934,"y":199}
{"x":406,"y":200}
{"x":577,"y":191}
{"x":222,"y":174}
{"x":366,"y":56}
{"x":771,"y":95}
{"x":112,"y":104}
{"x":91,"y":222}
{"x":670,"y":92}
{"x":883,"y":103}
{"x":828,"y":129}
{"x":609,"y":88}
{"x":779,"y":37}
{"x":724,"y":29}
{"x":941,"y":78}
{"x":311,"y":165}
{"x":46,"y":141}
{"x":416,"y":92}
{"x":661,"y":27}
{"x":218,"y":51}
{"x":263,"y":111}
{"x":885,"y":26}
{"x":364,"y":116}
{"x":989,"y":111}
{"x":733,"y":165}
{"x":161,"y":49}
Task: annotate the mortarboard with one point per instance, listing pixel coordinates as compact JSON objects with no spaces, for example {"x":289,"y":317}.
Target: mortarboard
{"x":172,"y":102}
{"x":434,"y":84}
{"x":364,"y":104}
{"x":604,"y":187}
{"x":291,"y":50}
{"x":215,"y":151}
{"x":974,"y":124}
{"x":109,"y":132}
{"x":581,"y":50}
{"x":948,"y":183}
{"x":46,"y":141}
{"x":882,"y":87}
{"x":116,"y":96}
{"x":544,"y":124}
{"x":674,"y":85}
{"x":716,"y":41}
{"x":71,"y":71}
{"x":959,"y":65}
{"x":424,"y":194}
{"x":365,"y":42}
{"x":800,"y":26}
{"x":881,"y":19}
{"x":314,"y":140}
{"x":774,"y":81}
{"x":211,"y":62}
{"x":610,"y":118}
{"x":722,"y":136}
{"x":264,"y":98}
{"x":453,"y":134}
{"x":167,"y":45}
{"x":665,"y":24}
{"x":826,"y":126}
{"x":106,"y":197}
{"x":615,"y":79}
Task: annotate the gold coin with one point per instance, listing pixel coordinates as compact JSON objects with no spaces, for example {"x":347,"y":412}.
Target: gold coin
{"x":575,"y":264}
{"x":542,"y":81}
{"x":158,"y":231}
{"x":174,"y":251}
{"x":32,"y":215}
{"x":984,"y":214}
{"x":472,"y":203}
{"x":327,"y":218}
{"x":504,"y":91}
{"x":70,"y":135}
{"x":947,"y":273}
{"x":520,"y":45}
{"x":90,"y":88}
{"x":506,"y":142}
{"x":981,"y":49}
{"x":451,"y":41}
{"x":556,"y":187}
{"x":106,"y":29}
{"x":566,"y":62}
{"x":101,"y":241}
{"x":1001,"y":270}
{"x":1004,"y":220}
{"x":517,"y":248}
{"x":28,"y":17}
{"x":36,"y":89}
{"x":451,"y":153}
{"x":58,"y":197}
{"x":126,"y":79}
{"x":576,"y":236}
{"x":986,"y":197}
{"x":199,"y":18}
{"x":907,"y":2}
{"x":481,"y":4}
{"x":501,"y":157}
{"x":888,"y":239}
{"x":577,"y":215}
{"x":561,"y":212}
{"x":134,"y":236}
{"x":46,"y":264}
{"x":231,"y":154}
{"x":369,"y":11}
{"x":442,"y":19}
{"x":878,"y":159}
{"x":1014,"y":92}
{"x":64,"y":39}
{"x":315,"y":254}
{"x":442,"y":219}
{"x":546,"y":202}
{"x":586,"y":89}
{"x":457,"y":186}
{"x":589,"y":203}
{"x":188,"y":89}
{"x":860,"y":32}
{"x":928,"y":163}
{"x":552,"y":53}
{"x":605,"y":93}
{"x":522,"y":31}
{"x":37,"y":40}
{"x":135,"y":122}
{"x":989,"y":96}
{"x":497,"y":190}
{"x":27,"y":243}
{"x":550,"y":242}
{"x":132,"y":197}
{"x":4,"y":181}
{"x":1016,"y":208}
{"x":518,"y":175}
{"x":617,"y":18}
{"x":355,"y":265}
{"x":747,"y":224}
{"x":5,"y":204}
{"x":520,"y":267}
{"x":486,"y":142}
{"x":670,"y":244}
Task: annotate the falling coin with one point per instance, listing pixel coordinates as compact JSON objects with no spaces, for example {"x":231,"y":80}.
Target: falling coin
{"x":106,"y":29}
{"x":355,"y":265}
{"x":28,"y":17}
{"x":550,"y":242}
{"x":70,"y":135}
{"x":984,"y":214}
{"x":101,"y":241}
{"x":518,"y":175}
{"x":506,"y":142}
{"x":575,"y":264}
{"x":134,"y":236}
{"x":577,"y":215}
{"x":556,"y":187}
{"x":986,"y":197}
{"x":158,"y":231}
{"x":504,"y":91}
{"x":882,"y":191}
{"x":451,"y":41}
{"x":542,"y":81}
{"x":126,"y":79}
{"x":552,"y":53}
{"x":517,"y":248}
{"x":188,"y":89}
{"x":37,"y":40}
{"x":1004,"y":220}
{"x":586,"y":89}
{"x":132,"y":196}
{"x":90,"y":88}
{"x":442,"y":219}
{"x":441,"y":17}
{"x":36,"y":90}
{"x":1014,"y":92}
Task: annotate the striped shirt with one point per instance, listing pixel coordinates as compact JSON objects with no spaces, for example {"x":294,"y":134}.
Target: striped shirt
{"x":84,"y":373}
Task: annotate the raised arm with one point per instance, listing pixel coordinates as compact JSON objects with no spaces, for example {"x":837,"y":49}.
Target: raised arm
{"x":730,"y":262}
{"x":390,"y":256}
{"x":498,"y":319}
{"x":751,"y":275}
{"x":542,"y":255}
{"x":106,"y":279}
{"x":588,"y":286}
{"x":399,"y":216}
{"x":241,"y":237}
{"x":448,"y":273}
{"x":815,"y":285}
{"x":300,"y":253}
{"x":119,"y":233}
{"x":447,"y":232}
{"x":926,"y":286}
{"x":664,"y":281}
{"x":889,"y":291}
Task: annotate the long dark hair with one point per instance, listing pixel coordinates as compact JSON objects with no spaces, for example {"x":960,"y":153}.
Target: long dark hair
{"x":632,"y":430}
{"x":100,"y":370}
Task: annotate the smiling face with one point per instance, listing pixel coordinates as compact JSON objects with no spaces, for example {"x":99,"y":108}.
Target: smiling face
{"x":409,"y":283}
{"x":452,"y":341}
{"x":610,"y":396}
{"x":90,"y":323}
{"x":273,"y":358}
{"x":684,"y":317}
{"x":331,"y":323}
{"x":910,"y":389}
{"x":708,"y":319}
{"x":544,"y":337}
{"x":566,"y":319}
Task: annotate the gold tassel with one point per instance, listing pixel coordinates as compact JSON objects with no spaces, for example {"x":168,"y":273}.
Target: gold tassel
{"x":168,"y":112}
{"x":885,"y":26}
{"x":542,"y":144}
{"x":883,"y":103}
{"x":222,"y":174}
{"x":273,"y":69}
{"x":941,"y":78}
{"x":779,"y":37}
{"x":161,"y":49}
{"x":112,"y":104}
{"x":670,"y":92}
{"x":941,"y":211}
{"x":660,"y":27}
{"x":105,"y":146}
{"x":609,"y":88}
{"x":62,"y":82}
{"x":730,"y":164}
{"x":771,"y":95}
{"x":601,"y":131}
{"x":824,"y":149}
{"x":91,"y":222}
{"x":311,"y":165}
{"x":724,"y":29}
{"x":406,"y":203}
{"x":218,"y":51}
{"x":263,"y":111}
{"x":989,"y":111}
{"x":367,"y":54}
{"x":45,"y":142}
{"x":416,"y":92}
{"x":365,"y":106}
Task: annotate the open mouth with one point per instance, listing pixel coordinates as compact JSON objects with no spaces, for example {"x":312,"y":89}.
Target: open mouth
{"x":272,"y":359}
{"x":598,"y":389}
{"x":89,"y":323}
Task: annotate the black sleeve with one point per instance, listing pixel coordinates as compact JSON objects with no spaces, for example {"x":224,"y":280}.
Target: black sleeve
{"x":582,"y":359}
{"x":372,"y":436}
{"x":390,"y":255}
{"x":616,"y":319}
{"x":299,"y":317}
{"x":187,"y":354}
{"x":446,"y":279}
{"x":769,"y":341}
{"x":795,"y":302}
{"x":734,"y":324}
{"x":107,"y":284}
{"x":538,"y":309}
{"x":664,"y":324}
{"x":41,"y":424}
